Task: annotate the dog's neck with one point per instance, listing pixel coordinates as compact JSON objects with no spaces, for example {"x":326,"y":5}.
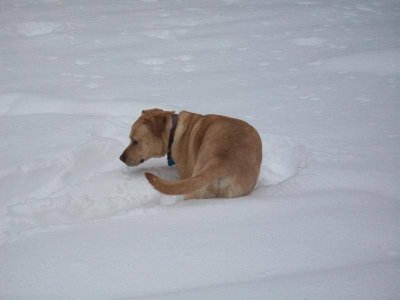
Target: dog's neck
{"x":171,"y":139}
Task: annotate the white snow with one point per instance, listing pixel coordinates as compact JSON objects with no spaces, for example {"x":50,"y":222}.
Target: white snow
{"x":381,"y":62}
{"x":320,"y":80}
{"x":311,"y":41}
{"x":37,"y":28}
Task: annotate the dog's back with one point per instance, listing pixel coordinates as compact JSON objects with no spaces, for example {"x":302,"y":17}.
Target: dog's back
{"x":224,"y":155}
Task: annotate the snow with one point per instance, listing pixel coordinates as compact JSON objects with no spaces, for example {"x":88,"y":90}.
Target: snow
{"x":320,"y":80}
{"x":382,"y":62}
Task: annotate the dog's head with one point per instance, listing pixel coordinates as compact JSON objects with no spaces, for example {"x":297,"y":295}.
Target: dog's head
{"x":149,"y":137}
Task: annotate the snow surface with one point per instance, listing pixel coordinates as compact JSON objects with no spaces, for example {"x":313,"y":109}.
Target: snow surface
{"x":320,"y":80}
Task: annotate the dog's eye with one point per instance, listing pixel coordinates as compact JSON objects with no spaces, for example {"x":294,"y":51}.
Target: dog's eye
{"x":134,"y":142}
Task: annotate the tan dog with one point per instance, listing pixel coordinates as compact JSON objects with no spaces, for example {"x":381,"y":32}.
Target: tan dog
{"x":216,"y":156}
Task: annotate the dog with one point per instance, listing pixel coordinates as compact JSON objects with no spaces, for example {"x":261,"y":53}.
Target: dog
{"x":216,"y":156}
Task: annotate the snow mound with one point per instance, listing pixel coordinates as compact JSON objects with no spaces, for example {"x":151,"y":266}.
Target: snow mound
{"x":70,"y":172}
{"x":283,"y":158}
{"x":86,"y":183}
{"x":74,"y":175}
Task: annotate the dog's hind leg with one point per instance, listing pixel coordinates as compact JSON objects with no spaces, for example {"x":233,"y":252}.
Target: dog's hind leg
{"x":204,"y":193}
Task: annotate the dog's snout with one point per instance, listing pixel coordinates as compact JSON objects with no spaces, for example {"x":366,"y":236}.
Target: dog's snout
{"x":123,"y":157}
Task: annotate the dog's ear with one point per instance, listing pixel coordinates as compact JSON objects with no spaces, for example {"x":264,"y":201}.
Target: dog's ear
{"x":153,"y":110}
{"x":156,"y":123}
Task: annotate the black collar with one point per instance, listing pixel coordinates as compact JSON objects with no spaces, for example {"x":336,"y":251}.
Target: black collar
{"x":171,"y":139}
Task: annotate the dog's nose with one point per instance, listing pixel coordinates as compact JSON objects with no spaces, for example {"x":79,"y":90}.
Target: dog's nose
{"x":123,"y":157}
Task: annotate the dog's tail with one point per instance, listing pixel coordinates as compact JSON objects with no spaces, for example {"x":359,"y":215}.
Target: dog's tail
{"x":186,"y":186}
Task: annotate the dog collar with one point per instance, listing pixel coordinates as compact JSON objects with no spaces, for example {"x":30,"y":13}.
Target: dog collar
{"x":171,"y":139}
